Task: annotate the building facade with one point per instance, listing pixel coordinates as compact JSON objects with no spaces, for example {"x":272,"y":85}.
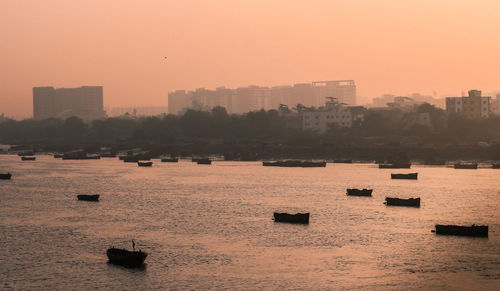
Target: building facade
{"x":84,"y":102}
{"x":474,"y":106}
{"x":332,"y":114}
{"x":253,"y":98}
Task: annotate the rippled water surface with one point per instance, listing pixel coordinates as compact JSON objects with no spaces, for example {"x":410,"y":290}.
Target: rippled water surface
{"x":211,"y":226}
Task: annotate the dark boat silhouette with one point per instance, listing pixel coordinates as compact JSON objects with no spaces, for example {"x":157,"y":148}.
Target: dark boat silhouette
{"x":145,"y":164}
{"x":411,"y":202}
{"x":462,"y":165}
{"x":358,"y":192}
{"x":125,"y":257}
{"x":204,"y":162}
{"x":410,"y":176}
{"x":395,"y":166}
{"x":5,"y":176}
{"x":58,"y":156}
{"x":302,"y":164}
{"x":85,"y":197}
{"x":302,"y":218}
{"x":473,"y":230}
{"x":28,"y":158}
{"x":170,"y":160}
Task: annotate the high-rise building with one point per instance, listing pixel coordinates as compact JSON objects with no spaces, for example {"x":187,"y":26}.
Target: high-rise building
{"x":473,"y":106}
{"x":253,"y":98}
{"x":84,"y":102}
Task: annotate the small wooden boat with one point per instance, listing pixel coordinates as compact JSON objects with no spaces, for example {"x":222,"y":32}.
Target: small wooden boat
{"x":126,"y":258}
{"x":85,"y":197}
{"x":473,"y":230}
{"x":411,"y":202}
{"x":358,"y":192}
{"x":410,"y":176}
{"x":204,"y":162}
{"x":461,"y":165}
{"x":5,"y":176}
{"x":145,"y":164}
{"x":169,"y":160}
{"x":395,"y":166}
{"x":302,"y":218}
{"x":28,"y":158}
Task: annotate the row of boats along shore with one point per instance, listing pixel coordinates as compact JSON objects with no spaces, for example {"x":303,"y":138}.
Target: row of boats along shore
{"x":133,"y":258}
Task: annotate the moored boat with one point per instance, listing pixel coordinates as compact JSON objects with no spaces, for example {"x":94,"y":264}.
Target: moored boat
{"x":86,"y":197}
{"x":6,"y":176}
{"x":412,"y":202}
{"x":358,"y":192}
{"x":409,"y":176}
{"x":170,"y":160}
{"x":28,"y":158}
{"x":302,"y":218}
{"x":58,"y":156}
{"x":204,"y":162}
{"x":293,"y":163}
{"x":145,"y":164}
{"x":473,"y":230}
{"x":464,"y":165}
{"x":126,"y":258}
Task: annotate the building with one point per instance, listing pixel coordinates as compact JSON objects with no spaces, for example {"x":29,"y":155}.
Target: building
{"x":495,"y":105}
{"x":332,"y":114}
{"x":473,"y":106}
{"x":84,"y":102}
{"x":251,"y":98}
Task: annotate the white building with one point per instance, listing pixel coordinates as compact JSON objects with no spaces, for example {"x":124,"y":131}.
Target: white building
{"x":332,"y":114}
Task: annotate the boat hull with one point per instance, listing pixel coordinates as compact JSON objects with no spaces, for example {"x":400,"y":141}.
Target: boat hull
{"x":174,"y":160}
{"x":466,"y":166}
{"x":25,"y":158}
{"x":410,"y":202}
{"x":84,"y":197}
{"x":145,"y":164}
{"x":126,"y":258}
{"x":204,"y":162}
{"x":357,"y":192}
{"x":394,"y":166}
{"x":298,"y":164}
{"x":473,"y":230}
{"x":301,"y":218}
{"x":410,"y":176}
{"x":5,"y":176}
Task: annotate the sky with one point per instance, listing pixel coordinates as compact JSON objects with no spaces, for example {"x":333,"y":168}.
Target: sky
{"x":386,"y":46}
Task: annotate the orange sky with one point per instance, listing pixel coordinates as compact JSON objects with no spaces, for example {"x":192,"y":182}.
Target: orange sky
{"x":386,"y":46}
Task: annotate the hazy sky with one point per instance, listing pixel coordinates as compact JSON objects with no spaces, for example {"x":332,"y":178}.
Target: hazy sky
{"x":386,"y":46}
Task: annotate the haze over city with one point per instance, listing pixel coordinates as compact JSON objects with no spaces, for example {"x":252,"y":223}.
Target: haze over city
{"x":398,"y":47}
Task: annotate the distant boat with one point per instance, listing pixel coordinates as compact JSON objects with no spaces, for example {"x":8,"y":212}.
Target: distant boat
{"x":204,"y":162}
{"x":294,"y":163}
{"x":463,"y":165}
{"x":27,"y":158}
{"x":58,"y":156}
{"x":125,"y":257}
{"x":410,"y":176}
{"x":169,"y":160}
{"x":343,"y":161}
{"x":302,"y":218}
{"x":473,"y":230}
{"x":85,"y":197}
{"x":145,"y":164}
{"x":5,"y":176}
{"x":412,"y":202}
{"x":357,"y":192}
{"x":395,"y":166}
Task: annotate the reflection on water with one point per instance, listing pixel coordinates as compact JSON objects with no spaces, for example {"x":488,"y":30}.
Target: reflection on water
{"x":211,"y":226}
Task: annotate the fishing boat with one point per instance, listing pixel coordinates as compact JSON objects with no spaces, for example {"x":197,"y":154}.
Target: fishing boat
{"x":358,"y":192}
{"x":409,"y":176}
{"x":145,"y":164}
{"x":28,"y":158}
{"x":302,"y":218}
{"x":395,"y":166}
{"x":465,"y":165}
{"x":294,"y":163}
{"x":473,"y":230}
{"x":204,"y":162}
{"x":170,"y":160}
{"x":411,"y":202}
{"x":125,"y":257}
{"x":85,"y":197}
{"x":5,"y":176}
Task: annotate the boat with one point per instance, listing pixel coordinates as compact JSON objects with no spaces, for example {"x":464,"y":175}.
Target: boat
{"x":5,"y":176}
{"x":463,"y":165}
{"x":58,"y":156}
{"x":409,"y":176}
{"x":27,"y":158}
{"x":357,"y":192}
{"x":302,"y":218}
{"x":412,"y":202}
{"x":125,"y":257}
{"x":473,"y":230}
{"x":204,"y":162}
{"x":170,"y":160}
{"x":85,"y":197}
{"x":395,"y":166}
{"x":343,"y":161}
{"x":495,"y":166}
{"x":293,"y":163}
{"x":145,"y":164}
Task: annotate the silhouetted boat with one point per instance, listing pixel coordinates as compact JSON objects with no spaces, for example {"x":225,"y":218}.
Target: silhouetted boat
{"x":302,"y":218}
{"x":357,"y":192}
{"x":343,"y":161}
{"x":145,"y":164}
{"x":5,"y":176}
{"x":473,"y":230}
{"x":58,"y":156}
{"x":302,"y":164}
{"x":169,"y":160}
{"x":27,"y":158}
{"x":462,"y":165}
{"x":85,"y":197}
{"x":412,"y":202}
{"x":125,"y":257}
{"x":395,"y":166}
{"x":204,"y":162}
{"x":410,"y":176}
